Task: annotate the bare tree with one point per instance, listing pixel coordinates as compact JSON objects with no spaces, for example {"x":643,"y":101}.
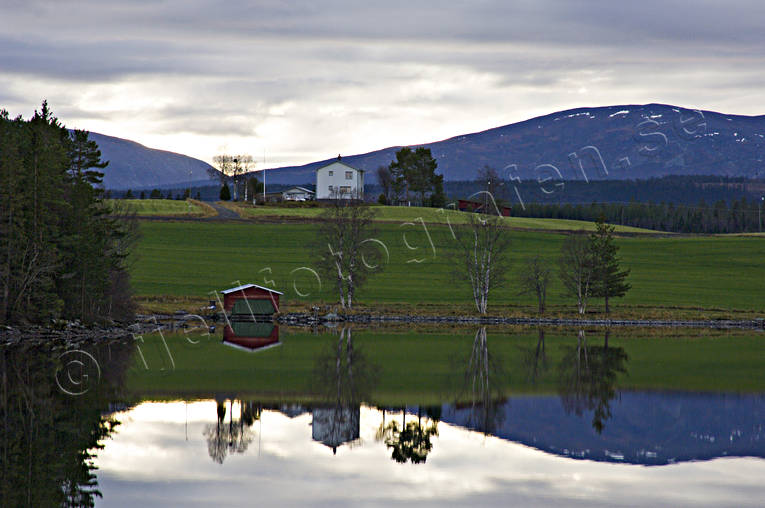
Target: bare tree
{"x":576,"y":269}
{"x":350,"y":254}
{"x":223,"y":163}
{"x":534,"y":278}
{"x":482,"y":256}
{"x":490,"y":182}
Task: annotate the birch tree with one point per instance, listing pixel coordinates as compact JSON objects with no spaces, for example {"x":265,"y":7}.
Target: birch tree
{"x":348,"y":251}
{"x":482,"y":257}
{"x":576,"y":269}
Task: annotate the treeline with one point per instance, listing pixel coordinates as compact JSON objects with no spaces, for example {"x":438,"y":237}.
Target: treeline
{"x":740,"y":216}
{"x":62,"y":248}
{"x":680,"y":189}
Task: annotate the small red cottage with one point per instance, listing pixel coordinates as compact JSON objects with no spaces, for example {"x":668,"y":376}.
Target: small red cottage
{"x":250,"y":299}
{"x":464,"y":205}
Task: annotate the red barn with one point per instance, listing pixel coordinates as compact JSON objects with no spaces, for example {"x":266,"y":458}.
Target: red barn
{"x":250,"y":299}
{"x":463,"y":205}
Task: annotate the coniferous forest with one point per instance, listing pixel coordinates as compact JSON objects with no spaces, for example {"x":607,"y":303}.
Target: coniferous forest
{"x":64,"y":250}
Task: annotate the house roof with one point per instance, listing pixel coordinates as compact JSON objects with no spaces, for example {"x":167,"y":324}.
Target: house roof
{"x":301,"y":189}
{"x":336,"y":161}
{"x":248,"y":286}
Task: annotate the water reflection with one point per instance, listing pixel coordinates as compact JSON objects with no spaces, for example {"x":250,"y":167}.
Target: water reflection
{"x":483,"y":386}
{"x":412,"y":440}
{"x":49,"y":439}
{"x":235,"y":437}
{"x":587,"y":378}
{"x":251,"y":336}
{"x":343,"y":378}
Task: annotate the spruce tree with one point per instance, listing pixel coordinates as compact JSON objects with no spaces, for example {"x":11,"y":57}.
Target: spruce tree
{"x":225,"y":193}
{"x":609,"y":280}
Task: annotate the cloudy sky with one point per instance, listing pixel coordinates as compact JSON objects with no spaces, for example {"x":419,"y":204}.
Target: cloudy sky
{"x":304,"y":80}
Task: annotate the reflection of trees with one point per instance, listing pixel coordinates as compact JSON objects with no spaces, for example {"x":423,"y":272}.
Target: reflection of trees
{"x":587,"y":378}
{"x":483,"y":386}
{"x":534,"y":359}
{"x":410,"y":442}
{"x":234,"y":437}
{"x":48,"y":439}
{"x":343,"y":378}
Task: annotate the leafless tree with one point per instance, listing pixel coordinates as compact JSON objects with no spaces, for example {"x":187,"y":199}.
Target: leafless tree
{"x":349,"y":251}
{"x":482,"y":256}
{"x":233,"y":168}
{"x":576,"y":269}
{"x":490,"y":182}
{"x":223,"y":163}
{"x":534,"y":278}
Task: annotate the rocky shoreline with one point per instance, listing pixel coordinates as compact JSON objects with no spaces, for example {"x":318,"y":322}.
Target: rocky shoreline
{"x":307,"y":319}
{"x":71,"y":336}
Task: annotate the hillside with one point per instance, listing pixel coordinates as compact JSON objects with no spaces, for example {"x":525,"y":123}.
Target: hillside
{"x":134,"y":166}
{"x":634,"y":141}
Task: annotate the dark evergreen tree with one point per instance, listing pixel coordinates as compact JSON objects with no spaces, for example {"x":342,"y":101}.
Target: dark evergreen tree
{"x":608,"y":280}
{"x":225,"y":193}
{"x":129,"y":194}
{"x":143,"y":195}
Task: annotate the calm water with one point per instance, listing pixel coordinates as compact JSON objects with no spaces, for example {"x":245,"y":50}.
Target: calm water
{"x":441,"y":417}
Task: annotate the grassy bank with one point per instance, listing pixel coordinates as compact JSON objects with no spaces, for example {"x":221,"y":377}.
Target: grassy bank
{"x":701,"y":275}
{"x":401,"y":214}
{"x":168,"y":207}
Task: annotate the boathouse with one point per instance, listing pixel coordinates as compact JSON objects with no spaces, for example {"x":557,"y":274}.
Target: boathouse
{"x":250,"y":300}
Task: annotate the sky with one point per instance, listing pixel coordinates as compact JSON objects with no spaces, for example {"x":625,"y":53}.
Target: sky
{"x":299,"y":81}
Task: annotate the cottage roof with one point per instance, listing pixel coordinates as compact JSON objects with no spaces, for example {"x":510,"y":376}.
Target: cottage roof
{"x":301,"y":189}
{"x":248,"y":286}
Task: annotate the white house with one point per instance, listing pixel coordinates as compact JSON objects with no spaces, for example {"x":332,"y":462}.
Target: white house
{"x":297,"y":194}
{"x":339,"y":180}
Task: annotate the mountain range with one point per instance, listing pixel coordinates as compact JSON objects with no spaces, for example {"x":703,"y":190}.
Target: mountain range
{"x":629,"y":142}
{"x":134,"y":166}
{"x":614,"y":142}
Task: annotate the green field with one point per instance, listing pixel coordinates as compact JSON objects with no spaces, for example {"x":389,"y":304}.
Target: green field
{"x":428,"y":215}
{"x":165,"y":207}
{"x":195,"y":258}
{"x":430,"y":366}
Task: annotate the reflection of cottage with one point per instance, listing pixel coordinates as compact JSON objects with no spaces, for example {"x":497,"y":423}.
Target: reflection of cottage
{"x":338,"y":180}
{"x":333,"y":426}
{"x":298,"y":194}
{"x":250,"y":336}
{"x":250,"y":301}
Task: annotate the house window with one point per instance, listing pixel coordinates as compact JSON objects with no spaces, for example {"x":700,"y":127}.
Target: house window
{"x":345,"y":190}
{"x":331,"y":173}
{"x":330,"y":188}
{"x":349,"y":175}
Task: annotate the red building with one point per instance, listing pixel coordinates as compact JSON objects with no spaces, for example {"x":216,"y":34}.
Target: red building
{"x":250,"y":299}
{"x":478,"y":207}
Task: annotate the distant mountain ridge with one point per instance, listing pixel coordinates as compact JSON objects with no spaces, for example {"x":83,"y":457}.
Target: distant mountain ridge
{"x":615,"y":142}
{"x":134,"y":166}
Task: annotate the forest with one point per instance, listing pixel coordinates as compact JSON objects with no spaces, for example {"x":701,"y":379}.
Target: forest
{"x":63,"y":252}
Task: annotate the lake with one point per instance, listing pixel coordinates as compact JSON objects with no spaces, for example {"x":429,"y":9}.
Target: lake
{"x":426,"y":416}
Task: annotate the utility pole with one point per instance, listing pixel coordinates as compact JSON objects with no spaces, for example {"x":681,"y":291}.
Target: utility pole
{"x":264,"y":176}
{"x":759,"y":212}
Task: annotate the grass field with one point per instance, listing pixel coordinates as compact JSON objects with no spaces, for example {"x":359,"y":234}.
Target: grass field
{"x":168,"y":207}
{"x":428,"y":215}
{"x":195,"y":258}
{"x":429,"y":366}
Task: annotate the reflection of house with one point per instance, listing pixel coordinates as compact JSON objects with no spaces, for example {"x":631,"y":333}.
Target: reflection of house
{"x":338,"y":180}
{"x":250,"y":301}
{"x":251,"y":336}
{"x":333,"y":426}
{"x":298,"y":194}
